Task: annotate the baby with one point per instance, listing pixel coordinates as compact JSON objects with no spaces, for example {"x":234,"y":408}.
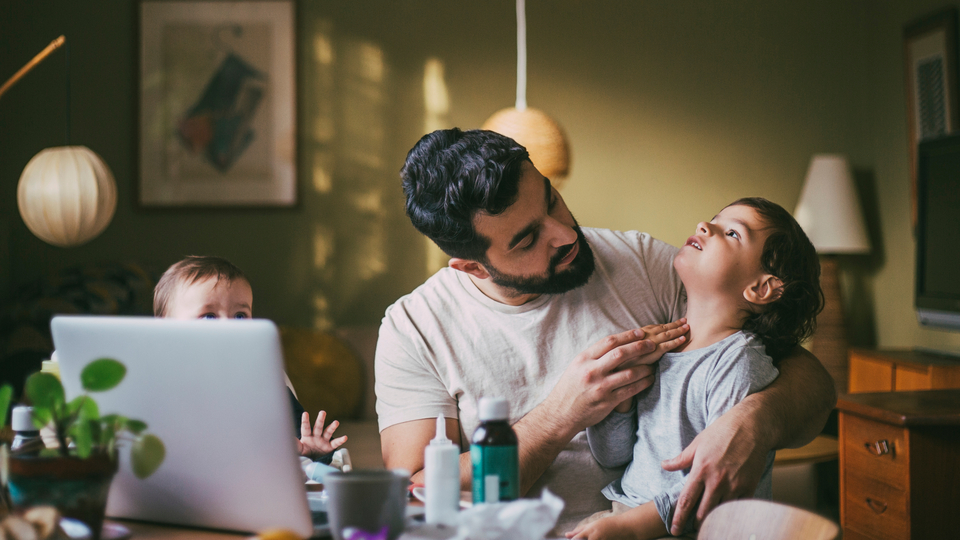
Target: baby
{"x":753,"y":292}
{"x":213,"y":288}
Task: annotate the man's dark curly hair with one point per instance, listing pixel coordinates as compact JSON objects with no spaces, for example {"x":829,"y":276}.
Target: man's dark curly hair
{"x":790,"y":256}
{"x":450,"y":175}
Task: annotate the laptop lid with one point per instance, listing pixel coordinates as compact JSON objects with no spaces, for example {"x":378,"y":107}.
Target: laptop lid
{"x":214,"y":392}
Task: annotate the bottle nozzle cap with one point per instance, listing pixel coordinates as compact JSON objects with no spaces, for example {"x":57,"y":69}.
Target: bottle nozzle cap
{"x":493,"y":408}
{"x":21,"y":419}
{"x":441,"y":436}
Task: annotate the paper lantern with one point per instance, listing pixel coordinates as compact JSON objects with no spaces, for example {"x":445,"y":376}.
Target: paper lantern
{"x":67,"y":195}
{"x":539,"y":134}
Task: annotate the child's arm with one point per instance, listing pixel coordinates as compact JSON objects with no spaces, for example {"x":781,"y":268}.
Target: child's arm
{"x":317,"y":443}
{"x":640,"y":523}
{"x":612,"y":440}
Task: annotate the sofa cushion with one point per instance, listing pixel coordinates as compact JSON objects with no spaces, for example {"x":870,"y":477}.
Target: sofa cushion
{"x":325,"y":372}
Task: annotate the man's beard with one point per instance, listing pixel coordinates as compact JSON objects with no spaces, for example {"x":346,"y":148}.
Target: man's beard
{"x":554,"y":282}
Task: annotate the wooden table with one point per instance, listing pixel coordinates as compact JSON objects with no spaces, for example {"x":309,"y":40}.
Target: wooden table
{"x":151,"y":531}
{"x":823,"y":448}
{"x":900,"y":464}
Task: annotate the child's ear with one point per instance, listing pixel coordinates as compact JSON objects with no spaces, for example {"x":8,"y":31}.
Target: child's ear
{"x":473,"y":268}
{"x":766,"y":289}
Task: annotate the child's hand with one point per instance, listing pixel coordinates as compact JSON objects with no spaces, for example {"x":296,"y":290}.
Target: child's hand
{"x":640,"y":523}
{"x":601,"y":529}
{"x":665,"y":337}
{"x":315,"y":443}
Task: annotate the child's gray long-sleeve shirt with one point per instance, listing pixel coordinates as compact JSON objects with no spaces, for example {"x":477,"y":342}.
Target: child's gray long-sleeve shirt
{"x":691,"y":390}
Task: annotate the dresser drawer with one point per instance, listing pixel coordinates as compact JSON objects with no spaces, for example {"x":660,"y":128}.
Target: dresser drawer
{"x":875,"y":508}
{"x":853,"y":534}
{"x":875,"y":450}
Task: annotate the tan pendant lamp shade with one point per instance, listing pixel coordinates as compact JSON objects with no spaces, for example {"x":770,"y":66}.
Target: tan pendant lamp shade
{"x":67,"y":195}
{"x":539,"y":134}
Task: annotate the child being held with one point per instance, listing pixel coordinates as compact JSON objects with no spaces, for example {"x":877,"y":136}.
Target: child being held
{"x":752,"y":279}
{"x":213,"y":288}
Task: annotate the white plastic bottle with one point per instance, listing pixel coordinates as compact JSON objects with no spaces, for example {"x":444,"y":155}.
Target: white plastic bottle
{"x":442,"y":470}
{"x":26,"y":440}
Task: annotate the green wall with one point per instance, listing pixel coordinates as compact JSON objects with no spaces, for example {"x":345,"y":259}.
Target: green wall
{"x":672,"y":109}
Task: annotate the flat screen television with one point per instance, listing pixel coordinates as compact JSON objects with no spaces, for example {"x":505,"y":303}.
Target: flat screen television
{"x":938,"y":233}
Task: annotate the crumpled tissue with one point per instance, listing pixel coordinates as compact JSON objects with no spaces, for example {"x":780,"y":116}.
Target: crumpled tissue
{"x":523,"y":519}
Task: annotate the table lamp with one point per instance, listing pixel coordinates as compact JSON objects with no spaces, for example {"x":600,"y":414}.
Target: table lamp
{"x":830,"y":214}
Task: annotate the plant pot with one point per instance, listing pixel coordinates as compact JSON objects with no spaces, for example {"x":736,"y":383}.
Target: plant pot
{"x":78,"y":488}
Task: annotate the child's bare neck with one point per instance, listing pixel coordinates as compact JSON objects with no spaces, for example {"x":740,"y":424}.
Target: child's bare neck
{"x":711,"y":319}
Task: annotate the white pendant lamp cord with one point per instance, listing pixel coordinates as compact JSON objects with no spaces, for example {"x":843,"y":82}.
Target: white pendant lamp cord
{"x":521,"y":56}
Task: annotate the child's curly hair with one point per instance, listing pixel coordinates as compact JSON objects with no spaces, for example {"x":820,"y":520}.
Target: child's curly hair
{"x":790,"y":256}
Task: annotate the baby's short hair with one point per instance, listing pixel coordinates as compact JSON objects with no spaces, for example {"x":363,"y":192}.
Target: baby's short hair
{"x":188,"y":271}
{"x":790,"y":256}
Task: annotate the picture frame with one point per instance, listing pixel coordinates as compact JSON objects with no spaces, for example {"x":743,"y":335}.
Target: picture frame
{"x":930,"y":68}
{"x":217,"y":104}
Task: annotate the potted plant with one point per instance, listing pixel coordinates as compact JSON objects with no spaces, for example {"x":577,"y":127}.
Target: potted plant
{"x":75,"y":476}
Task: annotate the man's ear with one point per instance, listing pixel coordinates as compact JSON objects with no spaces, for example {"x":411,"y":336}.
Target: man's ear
{"x":473,"y":268}
{"x":766,"y":289}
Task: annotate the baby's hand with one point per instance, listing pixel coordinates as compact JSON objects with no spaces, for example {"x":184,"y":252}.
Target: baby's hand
{"x":315,"y":443}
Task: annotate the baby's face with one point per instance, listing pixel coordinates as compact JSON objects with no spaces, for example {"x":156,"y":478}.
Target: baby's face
{"x":212,"y":299}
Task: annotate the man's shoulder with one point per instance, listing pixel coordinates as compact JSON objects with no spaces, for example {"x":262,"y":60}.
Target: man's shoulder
{"x":440,"y":289}
{"x":612,"y":243}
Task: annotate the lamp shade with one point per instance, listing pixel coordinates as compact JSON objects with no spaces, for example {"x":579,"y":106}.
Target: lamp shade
{"x":67,"y":195}
{"x":829,"y":210}
{"x":539,"y":134}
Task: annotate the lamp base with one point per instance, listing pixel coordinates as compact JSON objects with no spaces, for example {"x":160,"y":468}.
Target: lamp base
{"x":830,"y":340}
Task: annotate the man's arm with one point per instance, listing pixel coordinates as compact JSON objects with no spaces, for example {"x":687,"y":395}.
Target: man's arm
{"x":727,"y":459}
{"x":613,"y":369}
{"x":403,"y":446}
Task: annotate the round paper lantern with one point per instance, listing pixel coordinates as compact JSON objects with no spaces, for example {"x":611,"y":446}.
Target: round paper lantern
{"x":67,"y":195}
{"x":539,"y":134}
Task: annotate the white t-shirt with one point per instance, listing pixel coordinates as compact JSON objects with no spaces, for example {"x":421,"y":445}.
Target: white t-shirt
{"x":446,"y":345}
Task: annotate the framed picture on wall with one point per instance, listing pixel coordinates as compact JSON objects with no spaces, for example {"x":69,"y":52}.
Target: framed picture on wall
{"x":930,"y":61}
{"x":217,"y":104}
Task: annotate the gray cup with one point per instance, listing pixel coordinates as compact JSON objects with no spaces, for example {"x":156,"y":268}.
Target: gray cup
{"x":368,"y":500}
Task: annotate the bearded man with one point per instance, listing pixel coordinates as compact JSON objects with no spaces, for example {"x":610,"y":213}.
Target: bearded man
{"x":525,"y":291}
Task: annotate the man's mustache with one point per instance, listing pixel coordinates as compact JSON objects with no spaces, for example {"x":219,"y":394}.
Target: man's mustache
{"x":565,"y":250}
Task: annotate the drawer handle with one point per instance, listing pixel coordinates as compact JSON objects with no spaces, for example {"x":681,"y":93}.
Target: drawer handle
{"x":878,"y":448}
{"x":877,"y":506}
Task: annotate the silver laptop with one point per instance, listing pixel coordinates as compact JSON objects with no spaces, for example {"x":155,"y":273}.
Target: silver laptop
{"x":214,"y":392}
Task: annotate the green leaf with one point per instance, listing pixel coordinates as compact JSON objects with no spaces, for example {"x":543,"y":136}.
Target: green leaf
{"x":107,"y":433}
{"x":41,"y":416}
{"x":83,"y":438}
{"x":146,"y":455}
{"x":135,"y":426}
{"x":102,"y":374}
{"x":44,"y":390}
{"x":5,"y":392}
{"x":85,"y":407}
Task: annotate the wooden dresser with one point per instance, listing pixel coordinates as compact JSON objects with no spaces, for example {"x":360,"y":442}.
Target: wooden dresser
{"x":901,"y":369}
{"x":900,"y":465}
